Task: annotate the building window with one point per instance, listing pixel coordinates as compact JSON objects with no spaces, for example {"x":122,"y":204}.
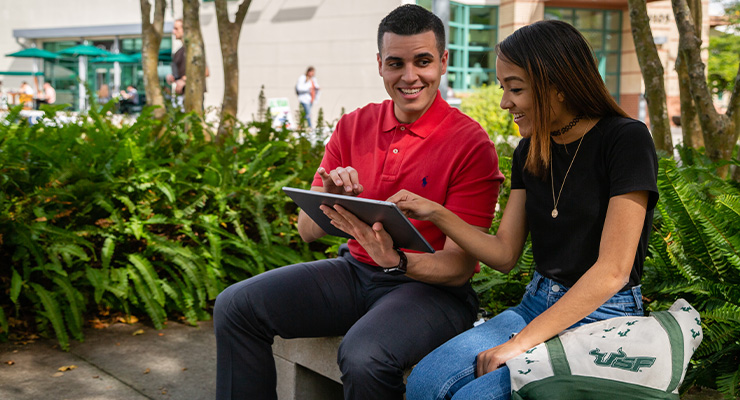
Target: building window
{"x":473,"y":36}
{"x":603,"y":30}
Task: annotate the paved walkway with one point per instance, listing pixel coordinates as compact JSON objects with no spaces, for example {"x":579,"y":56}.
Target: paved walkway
{"x":178,"y":362}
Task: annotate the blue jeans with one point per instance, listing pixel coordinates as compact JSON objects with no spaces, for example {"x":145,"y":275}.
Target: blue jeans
{"x":449,"y":371}
{"x":307,"y":109}
{"x":389,"y":323}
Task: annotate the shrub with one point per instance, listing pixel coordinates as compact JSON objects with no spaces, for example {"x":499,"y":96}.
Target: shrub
{"x":149,"y":218}
{"x":483,"y":106}
{"x":695,"y":254}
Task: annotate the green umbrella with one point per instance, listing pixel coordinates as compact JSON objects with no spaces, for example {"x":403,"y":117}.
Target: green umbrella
{"x":36,"y":54}
{"x":21,"y":73}
{"x":164,"y":55}
{"x":33,"y":52}
{"x":84,"y":50}
{"x":120,"y":57}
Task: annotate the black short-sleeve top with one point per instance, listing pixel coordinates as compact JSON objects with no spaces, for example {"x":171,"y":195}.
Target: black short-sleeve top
{"x":617,"y":156}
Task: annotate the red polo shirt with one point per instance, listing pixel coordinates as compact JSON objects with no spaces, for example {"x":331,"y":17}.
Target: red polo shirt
{"x":444,"y":156}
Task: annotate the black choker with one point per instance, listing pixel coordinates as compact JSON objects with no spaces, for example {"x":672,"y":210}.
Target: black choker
{"x":566,"y":128}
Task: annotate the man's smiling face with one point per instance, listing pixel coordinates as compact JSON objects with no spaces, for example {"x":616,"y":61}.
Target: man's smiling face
{"x":411,"y":68}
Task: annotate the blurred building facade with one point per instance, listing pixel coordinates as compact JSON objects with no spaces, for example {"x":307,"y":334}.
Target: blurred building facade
{"x":338,"y":37}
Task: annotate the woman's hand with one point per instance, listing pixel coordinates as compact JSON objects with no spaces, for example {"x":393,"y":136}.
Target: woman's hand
{"x":375,"y":240}
{"x":415,"y":206}
{"x":496,"y":357}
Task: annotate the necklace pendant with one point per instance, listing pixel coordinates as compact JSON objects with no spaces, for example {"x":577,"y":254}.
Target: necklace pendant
{"x":554,"y":213}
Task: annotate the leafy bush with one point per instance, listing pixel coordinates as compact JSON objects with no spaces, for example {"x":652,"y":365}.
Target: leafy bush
{"x":499,"y":291}
{"x":483,"y":106}
{"x":695,"y":254}
{"x":149,"y":218}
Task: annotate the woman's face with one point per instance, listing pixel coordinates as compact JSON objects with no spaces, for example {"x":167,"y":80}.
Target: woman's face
{"x":518,"y":97}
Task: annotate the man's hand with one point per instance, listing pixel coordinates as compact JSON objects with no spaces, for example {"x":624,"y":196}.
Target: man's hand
{"x":170,"y":79}
{"x":342,"y":180}
{"x":180,"y":85}
{"x":375,"y":240}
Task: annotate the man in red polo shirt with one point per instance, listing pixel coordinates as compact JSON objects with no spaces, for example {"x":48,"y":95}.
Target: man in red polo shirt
{"x":392,"y":306}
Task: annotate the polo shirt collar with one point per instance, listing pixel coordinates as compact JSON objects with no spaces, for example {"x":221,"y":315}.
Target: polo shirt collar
{"x":423,"y":126}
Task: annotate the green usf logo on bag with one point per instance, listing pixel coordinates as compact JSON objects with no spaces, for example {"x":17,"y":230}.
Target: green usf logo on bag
{"x":621,"y":361}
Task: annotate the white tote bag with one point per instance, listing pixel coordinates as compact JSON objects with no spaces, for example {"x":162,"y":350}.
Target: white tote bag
{"x":618,"y":358}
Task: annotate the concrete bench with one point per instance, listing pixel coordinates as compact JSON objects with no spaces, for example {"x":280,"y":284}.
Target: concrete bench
{"x":307,"y":368}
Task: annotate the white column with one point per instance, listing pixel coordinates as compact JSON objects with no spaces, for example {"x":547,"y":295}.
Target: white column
{"x":116,"y":67}
{"x":82,"y":62}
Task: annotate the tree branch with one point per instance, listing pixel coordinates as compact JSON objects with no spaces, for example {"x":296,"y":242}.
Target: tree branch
{"x":689,"y":45}
{"x":146,"y":10}
{"x":158,"y":23}
{"x":242,"y":12}
{"x":652,"y":72}
{"x":732,"y":108}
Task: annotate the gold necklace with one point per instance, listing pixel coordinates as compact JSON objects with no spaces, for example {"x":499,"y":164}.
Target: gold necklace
{"x":555,"y":201}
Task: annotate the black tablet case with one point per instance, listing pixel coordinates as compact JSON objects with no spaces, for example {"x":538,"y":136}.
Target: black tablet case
{"x":402,"y":231}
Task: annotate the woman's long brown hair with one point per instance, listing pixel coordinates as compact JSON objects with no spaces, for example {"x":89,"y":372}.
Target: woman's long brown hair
{"x":554,"y":53}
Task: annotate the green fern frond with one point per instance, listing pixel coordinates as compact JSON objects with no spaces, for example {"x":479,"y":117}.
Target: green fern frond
{"x":53,"y":314}
{"x":680,"y":201}
{"x":106,"y":252}
{"x":16,"y":283}
{"x":729,"y":384}
{"x":152,"y":306}
{"x":76,"y":307}
{"x":98,"y":280}
{"x":167,"y":190}
{"x":149,"y":275}
{"x":4,"y":326}
{"x":130,"y":206}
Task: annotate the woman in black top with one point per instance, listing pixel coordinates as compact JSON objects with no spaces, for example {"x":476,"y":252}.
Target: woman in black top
{"x":583,"y":185}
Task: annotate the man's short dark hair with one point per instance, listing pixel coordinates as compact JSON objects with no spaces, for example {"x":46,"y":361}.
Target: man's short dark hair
{"x":410,"y":19}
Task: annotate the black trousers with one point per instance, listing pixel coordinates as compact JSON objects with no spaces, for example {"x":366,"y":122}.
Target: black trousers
{"x":389,"y":323}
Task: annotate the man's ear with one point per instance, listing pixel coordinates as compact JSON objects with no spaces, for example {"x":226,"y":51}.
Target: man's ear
{"x":561,"y":97}
{"x":443,"y":61}
{"x":380,"y":64}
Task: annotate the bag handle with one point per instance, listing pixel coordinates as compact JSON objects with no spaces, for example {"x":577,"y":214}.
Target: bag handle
{"x":675,"y":336}
{"x":558,"y":359}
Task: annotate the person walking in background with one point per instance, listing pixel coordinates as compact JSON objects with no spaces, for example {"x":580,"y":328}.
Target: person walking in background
{"x":307,"y":89}
{"x":47,"y":96}
{"x":178,"y":77}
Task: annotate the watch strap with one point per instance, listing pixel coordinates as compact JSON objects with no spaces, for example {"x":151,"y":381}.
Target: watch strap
{"x":402,"y":264}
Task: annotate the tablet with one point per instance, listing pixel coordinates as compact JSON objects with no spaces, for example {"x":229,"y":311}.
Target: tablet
{"x":402,"y":231}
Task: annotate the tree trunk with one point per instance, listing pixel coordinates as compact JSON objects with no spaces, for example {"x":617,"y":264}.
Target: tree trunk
{"x":720,"y":133}
{"x":228,"y":33}
{"x":151,"y":37}
{"x":652,"y":73}
{"x":195,"y":60}
{"x":690,"y":128}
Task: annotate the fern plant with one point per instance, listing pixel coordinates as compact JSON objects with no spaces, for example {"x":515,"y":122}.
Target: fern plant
{"x":149,"y":218}
{"x":695,"y":254}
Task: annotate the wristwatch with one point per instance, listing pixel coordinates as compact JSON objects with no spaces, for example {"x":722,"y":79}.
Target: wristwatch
{"x":399,"y":269}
